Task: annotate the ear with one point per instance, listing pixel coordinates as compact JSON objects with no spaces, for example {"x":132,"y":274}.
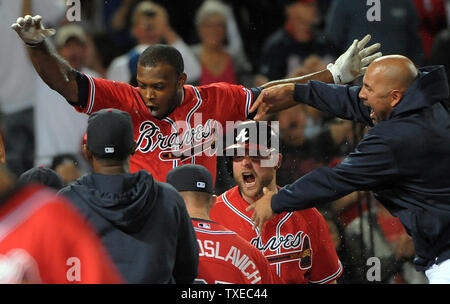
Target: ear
{"x":280,"y":158}
{"x":181,"y":80}
{"x":87,"y":153}
{"x":396,"y":96}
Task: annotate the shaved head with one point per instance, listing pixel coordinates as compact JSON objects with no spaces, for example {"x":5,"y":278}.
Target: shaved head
{"x":385,"y":83}
{"x":397,"y":70}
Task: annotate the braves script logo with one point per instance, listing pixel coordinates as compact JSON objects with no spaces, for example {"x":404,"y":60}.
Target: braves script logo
{"x":296,"y":247}
{"x":179,"y":144}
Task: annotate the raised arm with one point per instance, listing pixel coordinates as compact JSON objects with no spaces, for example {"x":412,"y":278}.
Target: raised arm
{"x":279,"y":94}
{"x":53,"y":70}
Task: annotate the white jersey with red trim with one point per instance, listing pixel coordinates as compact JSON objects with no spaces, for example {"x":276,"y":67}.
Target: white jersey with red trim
{"x":297,"y":244}
{"x":226,"y":258}
{"x":185,"y":136}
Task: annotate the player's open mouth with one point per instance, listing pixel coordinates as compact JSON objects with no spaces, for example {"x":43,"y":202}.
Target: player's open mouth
{"x":249,"y":179}
{"x":152,"y":108}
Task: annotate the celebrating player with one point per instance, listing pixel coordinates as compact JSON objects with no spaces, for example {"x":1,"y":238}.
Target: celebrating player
{"x":225,"y":257}
{"x":174,"y":123}
{"x":298,"y":245}
{"x":404,"y":158}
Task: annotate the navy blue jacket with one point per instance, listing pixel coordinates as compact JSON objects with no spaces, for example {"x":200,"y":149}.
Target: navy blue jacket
{"x":405,"y":160}
{"x":142,"y":223}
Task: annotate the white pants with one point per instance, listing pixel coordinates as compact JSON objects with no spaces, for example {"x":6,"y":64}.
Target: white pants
{"x":439,"y":274}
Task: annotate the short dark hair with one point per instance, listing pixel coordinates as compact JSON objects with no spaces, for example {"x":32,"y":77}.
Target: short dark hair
{"x":162,"y":53}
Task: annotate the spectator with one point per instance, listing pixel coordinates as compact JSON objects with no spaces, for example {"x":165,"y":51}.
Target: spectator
{"x":439,"y":51}
{"x":147,"y":218}
{"x":300,"y":154}
{"x":17,"y":85}
{"x":218,"y":62}
{"x":394,"y":23}
{"x":43,"y":176}
{"x":432,"y":20}
{"x":285,"y":51}
{"x":45,"y":240}
{"x":195,"y":184}
{"x":298,"y":245}
{"x":68,"y":167}
{"x":150,"y":25}
{"x":60,"y":130}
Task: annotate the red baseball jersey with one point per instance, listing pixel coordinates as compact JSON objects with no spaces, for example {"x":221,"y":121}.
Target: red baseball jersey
{"x":44,"y":240}
{"x":226,"y":258}
{"x":186,"y":136}
{"x":297,"y":244}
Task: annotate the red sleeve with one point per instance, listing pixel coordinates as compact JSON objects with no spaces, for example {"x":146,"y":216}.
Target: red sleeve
{"x":326,"y":265}
{"x":103,"y":93}
{"x":231,"y":102}
{"x":74,"y":253}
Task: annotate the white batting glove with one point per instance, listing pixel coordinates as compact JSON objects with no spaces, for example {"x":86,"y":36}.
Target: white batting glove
{"x":31,"y":30}
{"x":354,"y":61}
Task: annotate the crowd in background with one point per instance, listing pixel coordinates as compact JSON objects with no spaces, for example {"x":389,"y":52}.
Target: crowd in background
{"x":244,"y":42}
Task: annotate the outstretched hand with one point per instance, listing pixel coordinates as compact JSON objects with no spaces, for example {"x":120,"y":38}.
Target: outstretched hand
{"x":262,"y":210}
{"x":354,"y":61}
{"x":31,"y":30}
{"x":276,"y":95}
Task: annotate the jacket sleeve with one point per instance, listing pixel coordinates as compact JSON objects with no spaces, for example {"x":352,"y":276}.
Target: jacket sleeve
{"x":339,"y":100}
{"x":187,"y":259}
{"x":371,"y":167}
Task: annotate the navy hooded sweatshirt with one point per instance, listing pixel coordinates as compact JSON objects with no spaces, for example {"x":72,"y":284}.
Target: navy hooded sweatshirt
{"x":404,"y":160}
{"x":142,"y":223}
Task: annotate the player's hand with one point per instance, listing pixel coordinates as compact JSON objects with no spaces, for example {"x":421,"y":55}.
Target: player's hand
{"x":276,"y":95}
{"x":354,"y":61}
{"x":262,"y":210}
{"x":31,"y":30}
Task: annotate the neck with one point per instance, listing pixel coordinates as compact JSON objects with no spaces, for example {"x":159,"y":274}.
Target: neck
{"x":253,"y":199}
{"x":211,"y":48}
{"x":198,"y":213}
{"x":111,"y":169}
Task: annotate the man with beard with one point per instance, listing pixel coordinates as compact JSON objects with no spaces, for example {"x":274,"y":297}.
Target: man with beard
{"x":291,"y":240}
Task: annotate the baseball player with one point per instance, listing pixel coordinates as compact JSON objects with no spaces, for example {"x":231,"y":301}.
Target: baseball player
{"x":225,"y":257}
{"x":174,"y":123}
{"x":298,"y":245}
{"x":43,"y":239}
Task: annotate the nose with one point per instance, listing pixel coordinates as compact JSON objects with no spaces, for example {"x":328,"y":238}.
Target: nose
{"x":247,"y":162}
{"x":362,"y":94}
{"x":148,"y":93}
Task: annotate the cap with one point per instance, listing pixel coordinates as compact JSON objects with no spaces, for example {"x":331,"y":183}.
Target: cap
{"x":110,"y":134}
{"x":41,"y":175}
{"x":257,"y":136}
{"x":67,"y":32}
{"x":191,"y":177}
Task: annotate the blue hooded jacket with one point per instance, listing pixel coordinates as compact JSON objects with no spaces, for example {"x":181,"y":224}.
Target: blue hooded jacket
{"x":404,"y":160}
{"x":142,"y":223}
